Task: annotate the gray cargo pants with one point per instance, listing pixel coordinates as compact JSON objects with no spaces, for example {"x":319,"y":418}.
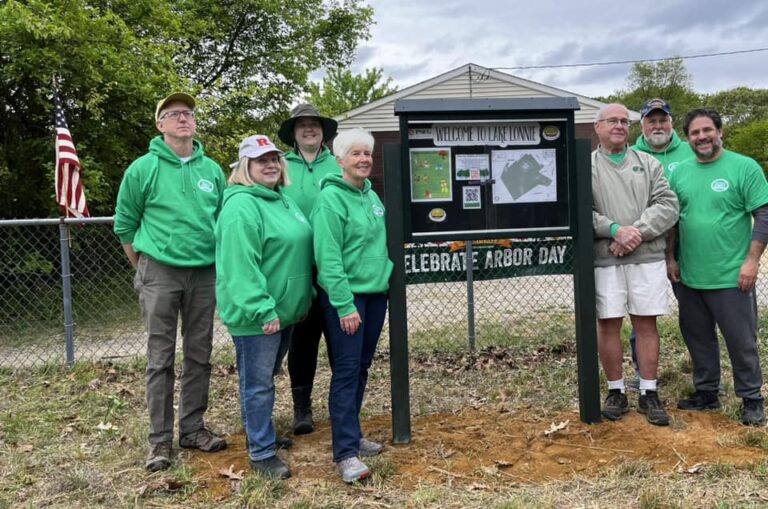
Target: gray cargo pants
{"x":735,"y":314}
{"x":164,"y":292}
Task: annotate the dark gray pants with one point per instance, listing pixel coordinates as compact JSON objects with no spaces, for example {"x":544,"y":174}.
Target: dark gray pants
{"x":164,"y":292}
{"x":735,"y":314}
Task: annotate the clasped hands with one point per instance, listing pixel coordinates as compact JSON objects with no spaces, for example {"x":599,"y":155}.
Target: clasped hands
{"x":625,"y":241}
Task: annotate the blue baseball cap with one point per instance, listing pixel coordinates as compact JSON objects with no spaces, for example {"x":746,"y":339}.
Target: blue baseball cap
{"x":655,"y":104}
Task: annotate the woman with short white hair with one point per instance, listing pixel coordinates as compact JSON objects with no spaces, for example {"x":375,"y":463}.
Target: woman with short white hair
{"x":353,"y":273}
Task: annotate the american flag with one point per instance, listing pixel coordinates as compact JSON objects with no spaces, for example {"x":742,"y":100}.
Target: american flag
{"x":69,"y":188}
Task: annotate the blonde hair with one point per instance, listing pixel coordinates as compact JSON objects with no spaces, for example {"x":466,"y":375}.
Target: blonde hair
{"x":241,"y":176}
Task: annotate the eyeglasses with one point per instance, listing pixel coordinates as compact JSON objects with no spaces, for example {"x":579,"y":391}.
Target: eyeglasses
{"x":175,"y":115}
{"x":613,"y":122}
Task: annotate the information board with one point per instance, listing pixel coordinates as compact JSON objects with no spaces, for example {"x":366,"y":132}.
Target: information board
{"x":486,"y":168}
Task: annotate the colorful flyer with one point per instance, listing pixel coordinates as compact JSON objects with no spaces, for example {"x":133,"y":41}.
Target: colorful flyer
{"x":472,"y":167}
{"x":431,"y":174}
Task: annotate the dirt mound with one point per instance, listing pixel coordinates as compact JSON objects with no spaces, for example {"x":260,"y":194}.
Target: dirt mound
{"x":484,"y":446}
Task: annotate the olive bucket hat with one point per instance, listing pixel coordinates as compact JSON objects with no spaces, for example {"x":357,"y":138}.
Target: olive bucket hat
{"x":306,"y":110}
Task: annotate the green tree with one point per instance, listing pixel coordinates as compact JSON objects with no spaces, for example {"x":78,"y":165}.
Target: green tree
{"x":246,"y":61}
{"x":342,"y":91}
{"x":739,"y":106}
{"x":668,"y":79}
{"x":751,"y":140}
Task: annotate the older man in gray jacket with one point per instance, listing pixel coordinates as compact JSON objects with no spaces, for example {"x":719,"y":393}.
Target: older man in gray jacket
{"x":632,"y":208}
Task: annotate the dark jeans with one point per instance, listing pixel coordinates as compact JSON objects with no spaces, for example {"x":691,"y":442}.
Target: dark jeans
{"x":352,"y":357}
{"x":166,"y":292}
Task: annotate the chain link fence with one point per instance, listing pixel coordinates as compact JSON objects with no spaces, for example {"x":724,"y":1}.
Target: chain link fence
{"x":515,"y":288}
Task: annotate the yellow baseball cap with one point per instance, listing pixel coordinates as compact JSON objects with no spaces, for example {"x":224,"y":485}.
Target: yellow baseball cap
{"x":176,"y":96}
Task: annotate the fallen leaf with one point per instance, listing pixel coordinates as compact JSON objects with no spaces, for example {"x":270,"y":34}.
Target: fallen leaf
{"x":230,"y":473}
{"x":106,"y":427}
{"x":94,"y":384}
{"x":503,"y":463}
{"x":25,"y":448}
{"x":476,"y":487}
{"x":493,"y":471}
{"x":554,"y":428}
{"x":695,"y":469}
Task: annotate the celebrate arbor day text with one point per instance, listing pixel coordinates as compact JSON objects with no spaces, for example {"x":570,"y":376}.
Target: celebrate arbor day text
{"x":445,"y":262}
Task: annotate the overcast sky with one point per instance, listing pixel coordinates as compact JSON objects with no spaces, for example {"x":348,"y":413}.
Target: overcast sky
{"x":414,"y":40}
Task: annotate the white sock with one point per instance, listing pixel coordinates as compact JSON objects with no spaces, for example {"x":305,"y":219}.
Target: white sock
{"x":647,"y":385}
{"x":617,"y":384}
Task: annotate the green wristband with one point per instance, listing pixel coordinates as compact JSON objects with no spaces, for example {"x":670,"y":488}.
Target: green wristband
{"x":614,"y":228}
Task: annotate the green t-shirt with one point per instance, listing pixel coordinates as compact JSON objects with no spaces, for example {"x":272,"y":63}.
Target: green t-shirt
{"x":716,"y":202}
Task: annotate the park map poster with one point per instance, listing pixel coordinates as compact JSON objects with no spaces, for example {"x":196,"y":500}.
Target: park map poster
{"x":431,"y":174}
{"x":524,"y":176}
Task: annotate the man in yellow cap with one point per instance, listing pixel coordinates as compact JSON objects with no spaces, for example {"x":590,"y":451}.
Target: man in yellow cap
{"x":166,"y":210}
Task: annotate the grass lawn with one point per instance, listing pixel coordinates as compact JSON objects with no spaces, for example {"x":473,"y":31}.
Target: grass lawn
{"x":495,"y":428}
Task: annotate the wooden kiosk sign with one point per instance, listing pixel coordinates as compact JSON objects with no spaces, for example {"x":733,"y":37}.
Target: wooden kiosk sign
{"x":479,"y":169}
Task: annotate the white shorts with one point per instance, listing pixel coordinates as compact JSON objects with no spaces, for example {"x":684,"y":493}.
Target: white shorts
{"x":638,"y":289}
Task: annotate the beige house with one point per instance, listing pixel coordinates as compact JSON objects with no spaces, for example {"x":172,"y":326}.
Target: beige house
{"x":467,"y":81}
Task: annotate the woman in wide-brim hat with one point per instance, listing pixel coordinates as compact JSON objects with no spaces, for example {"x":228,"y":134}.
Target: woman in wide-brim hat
{"x":309,"y":162}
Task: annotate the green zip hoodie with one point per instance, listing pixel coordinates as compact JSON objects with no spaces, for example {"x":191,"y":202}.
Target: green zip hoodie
{"x":350,"y":242}
{"x":676,"y":152}
{"x":167,"y":208}
{"x":306,"y":177}
{"x":263,"y":260}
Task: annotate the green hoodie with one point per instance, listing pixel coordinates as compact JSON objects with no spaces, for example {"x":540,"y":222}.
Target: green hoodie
{"x":306,"y":177}
{"x":167,"y":208}
{"x":350,"y":242}
{"x":676,"y":152}
{"x":263,"y":260}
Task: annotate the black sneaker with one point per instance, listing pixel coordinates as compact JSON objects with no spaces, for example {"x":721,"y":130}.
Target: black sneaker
{"x":700,"y":400}
{"x":649,"y":405}
{"x":753,"y":413}
{"x":272,"y":468}
{"x":616,"y":405}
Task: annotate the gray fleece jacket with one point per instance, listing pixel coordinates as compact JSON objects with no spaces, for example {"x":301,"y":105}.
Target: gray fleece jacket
{"x":631,"y":193}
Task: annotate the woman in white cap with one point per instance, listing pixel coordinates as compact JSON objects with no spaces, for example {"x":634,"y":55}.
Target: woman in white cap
{"x":263,"y":285}
{"x":309,"y":161}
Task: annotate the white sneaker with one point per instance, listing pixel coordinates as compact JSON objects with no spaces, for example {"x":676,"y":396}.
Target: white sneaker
{"x":352,"y":470}
{"x":370,"y":448}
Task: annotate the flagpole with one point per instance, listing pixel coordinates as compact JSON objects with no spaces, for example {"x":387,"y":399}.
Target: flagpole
{"x":65,"y":243}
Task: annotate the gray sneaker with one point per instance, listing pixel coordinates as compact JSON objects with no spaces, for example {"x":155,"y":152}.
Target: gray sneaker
{"x":370,"y":448}
{"x":352,"y":470}
{"x":158,"y":457}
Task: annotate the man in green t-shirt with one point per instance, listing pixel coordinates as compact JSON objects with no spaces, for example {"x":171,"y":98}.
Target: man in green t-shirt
{"x":719,"y":193}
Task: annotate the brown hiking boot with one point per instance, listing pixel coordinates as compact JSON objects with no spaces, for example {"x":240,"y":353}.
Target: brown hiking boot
{"x":159,"y":457}
{"x":649,"y":405}
{"x":616,"y":405}
{"x":204,"y":440}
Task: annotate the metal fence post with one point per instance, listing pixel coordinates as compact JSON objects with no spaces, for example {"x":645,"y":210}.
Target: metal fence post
{"x":470,"y":296}
{"x":66,"y":287}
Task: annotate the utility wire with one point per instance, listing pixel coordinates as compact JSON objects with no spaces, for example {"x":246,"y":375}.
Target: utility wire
{"x":618,"y":62}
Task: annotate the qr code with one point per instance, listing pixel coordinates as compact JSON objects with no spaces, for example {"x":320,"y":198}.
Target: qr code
{"x":472,"y":194}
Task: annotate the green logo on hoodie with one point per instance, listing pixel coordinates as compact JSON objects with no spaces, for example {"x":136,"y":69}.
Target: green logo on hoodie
{"x":378,"y":211}
{"x":205,"y":185}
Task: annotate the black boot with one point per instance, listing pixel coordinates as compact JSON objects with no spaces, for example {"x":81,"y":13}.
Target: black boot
{"x":302,"y":411}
